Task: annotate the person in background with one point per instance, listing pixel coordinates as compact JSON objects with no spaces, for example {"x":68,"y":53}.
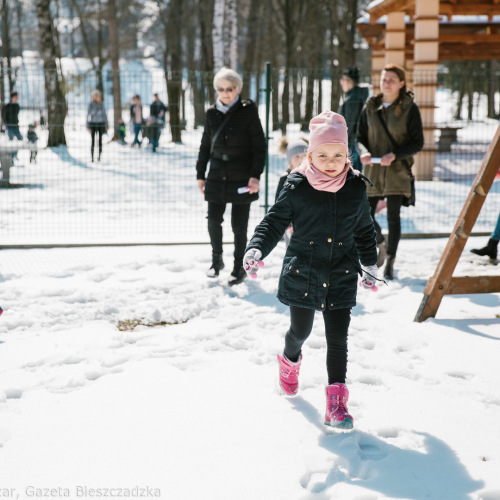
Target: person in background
{"x":325,"y":200}
{"x":233,"y":142}
{"x":122,"y":131}
{"x":32,"y":139}
{"x":10,"y":119}
{"x":491,"y":248}
{"x":395,"y":108}
{"x":157,"y":112}
{"x":295,"y":152}
{"x":97,"y":121}
{"x":354,"y":100}
{"x":136,"y":119}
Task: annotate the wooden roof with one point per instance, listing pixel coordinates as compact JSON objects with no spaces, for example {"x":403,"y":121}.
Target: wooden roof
{"x":488,"y":8}
{"x":457,"y":41}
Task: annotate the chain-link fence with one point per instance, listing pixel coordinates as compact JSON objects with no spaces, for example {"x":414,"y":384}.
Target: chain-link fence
{"x":135,"y":195}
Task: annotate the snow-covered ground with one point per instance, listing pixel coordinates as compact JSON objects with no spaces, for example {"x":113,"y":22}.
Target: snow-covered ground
{"x":184,"y":406}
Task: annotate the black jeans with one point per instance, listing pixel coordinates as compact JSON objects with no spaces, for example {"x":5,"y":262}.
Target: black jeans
{"x":336,"y":327}
{"x":99,"y":129}
{"x":239,"y":224}
{"x":393,"y":221}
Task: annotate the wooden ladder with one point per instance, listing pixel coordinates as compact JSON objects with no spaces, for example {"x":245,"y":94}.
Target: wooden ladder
{"x":443,"y":282}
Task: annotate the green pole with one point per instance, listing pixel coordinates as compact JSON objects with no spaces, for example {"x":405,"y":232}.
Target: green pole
{"x":268,"y":111}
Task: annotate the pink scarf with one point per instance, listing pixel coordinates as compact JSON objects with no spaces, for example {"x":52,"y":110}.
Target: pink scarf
{"x":321,"y":181}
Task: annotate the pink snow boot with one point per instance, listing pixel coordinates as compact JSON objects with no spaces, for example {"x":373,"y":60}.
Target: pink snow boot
{"x":337,"y":414}
{"x":288,"y":376}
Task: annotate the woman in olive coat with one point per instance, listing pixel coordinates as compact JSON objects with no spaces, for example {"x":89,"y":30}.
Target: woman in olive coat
{"x":233,"y":142}
{"x":391,"y":177}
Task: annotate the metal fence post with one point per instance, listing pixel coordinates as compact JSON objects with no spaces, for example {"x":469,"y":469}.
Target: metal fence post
{"x":268,"y":110}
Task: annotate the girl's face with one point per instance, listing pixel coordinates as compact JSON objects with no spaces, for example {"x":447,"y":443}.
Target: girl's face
{"x":390,"y":84}
{"x":329,"y":159}
{"x":297,"y":160}
{"x":226,"y":91}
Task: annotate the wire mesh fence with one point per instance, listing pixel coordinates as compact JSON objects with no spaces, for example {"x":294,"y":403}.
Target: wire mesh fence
{"x":135,"y":195}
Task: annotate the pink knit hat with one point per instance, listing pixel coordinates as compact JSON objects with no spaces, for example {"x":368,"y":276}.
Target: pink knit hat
{"x":327,"y":128}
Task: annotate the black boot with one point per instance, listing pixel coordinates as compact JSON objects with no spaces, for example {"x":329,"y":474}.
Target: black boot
{"x":92,"y":155}
{"x":389,"y":267}
{"x":217,"y":265}
{"x":99,"y":157}
{"x":238,"y":275}
{"x":490,"y":250}
{"x":381,"y":253}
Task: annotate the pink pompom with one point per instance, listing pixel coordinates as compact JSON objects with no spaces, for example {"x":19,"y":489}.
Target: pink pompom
{"x":253,"y":276}
{"x":374,"y":288}
{"x":260,"y":263}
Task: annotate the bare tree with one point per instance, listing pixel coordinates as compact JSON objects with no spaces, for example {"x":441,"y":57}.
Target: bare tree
{"x":218,"y":34}
{"x":172,"y":64}
{"x":56,"y":102}
{"x":6,"y":43}
{"x":288,"y":15}
{"x":114,"y":54}
{"x":231,"y":34}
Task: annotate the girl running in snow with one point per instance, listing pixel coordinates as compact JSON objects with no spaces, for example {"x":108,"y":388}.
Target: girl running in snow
{"x":325,"y":200}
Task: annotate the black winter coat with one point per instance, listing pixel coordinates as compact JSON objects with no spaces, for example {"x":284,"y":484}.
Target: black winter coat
{"x":331,"y":233}
{"x":10,"y":114}
{"x":239,"y":153}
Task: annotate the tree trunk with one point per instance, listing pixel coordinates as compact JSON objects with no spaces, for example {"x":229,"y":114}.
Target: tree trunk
{"x":56,"y":102}
{"x":19,"y":16}
{"x":173,"y":66}
{"x":7,"y":53}
{"x":218,"y":34}
{"x":231,"y":28}
{"x":114,"y":54}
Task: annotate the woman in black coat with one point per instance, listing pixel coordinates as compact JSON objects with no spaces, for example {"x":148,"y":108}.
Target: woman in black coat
{"x":233,"y":142}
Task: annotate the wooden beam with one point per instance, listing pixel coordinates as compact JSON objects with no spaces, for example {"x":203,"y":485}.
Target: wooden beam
{"x":473,"y":284}
{"x":438,"y":285}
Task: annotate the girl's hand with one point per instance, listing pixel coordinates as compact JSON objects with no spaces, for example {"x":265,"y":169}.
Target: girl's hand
{"x":387,"y":159}
{"x":252,"y":262}
{"x":201,"y":185}
{"x":366,"y":159}
{"x":369,"y":276}
{"x":253,"y":184}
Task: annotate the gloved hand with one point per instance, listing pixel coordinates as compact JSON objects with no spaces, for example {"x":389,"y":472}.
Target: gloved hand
{"x":252,"y":262}
{"x":368,"y":280}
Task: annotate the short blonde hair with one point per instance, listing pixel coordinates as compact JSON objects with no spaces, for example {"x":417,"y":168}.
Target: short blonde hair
{"x":231,"y":76}
{"x":95,"y":94}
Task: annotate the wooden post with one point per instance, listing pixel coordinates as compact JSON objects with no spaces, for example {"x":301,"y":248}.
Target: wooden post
{"x":442,"y":282}
{"x":425,"y":64}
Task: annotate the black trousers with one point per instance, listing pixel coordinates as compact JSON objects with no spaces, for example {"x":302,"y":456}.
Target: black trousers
{"x":393,"y":221}
{"x":96,"y":129}
{"x":239,"y":224}
{"x":336,"y":327}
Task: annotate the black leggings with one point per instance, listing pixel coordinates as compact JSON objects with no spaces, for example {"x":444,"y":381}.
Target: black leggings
{"x":393,"y":221}
{"x":96,"y":128}
{"x":336,"y":327}
{"x":239,"y":224}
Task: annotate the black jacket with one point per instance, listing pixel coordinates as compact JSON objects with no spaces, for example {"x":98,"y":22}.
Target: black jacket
{"x":351,"y":108}
{"x":331,"y":233}
{"x":158,"y":109}
{"x":239,"y":153}
{"x":10,"y":114}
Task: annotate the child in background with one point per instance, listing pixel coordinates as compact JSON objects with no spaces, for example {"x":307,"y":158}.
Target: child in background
{"x":295,"y":153}
{"x":122,"y":131}
{"x":32,"y":139}
{"x":325,"y":200}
